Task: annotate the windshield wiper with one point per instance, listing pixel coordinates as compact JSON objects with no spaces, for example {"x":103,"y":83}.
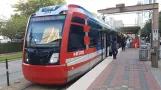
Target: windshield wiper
{"x":31,"y":36}
{"x":55,"y":40}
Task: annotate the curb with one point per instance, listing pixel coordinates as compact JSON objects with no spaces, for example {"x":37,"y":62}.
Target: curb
{"x":7,"y":54}
{"x":11,"y":60}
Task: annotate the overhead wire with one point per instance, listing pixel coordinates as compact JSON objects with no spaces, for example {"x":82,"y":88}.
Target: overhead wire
{"x":95,"y":4}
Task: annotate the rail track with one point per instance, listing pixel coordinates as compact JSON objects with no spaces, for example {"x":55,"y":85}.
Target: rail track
{"x":33,"y":86}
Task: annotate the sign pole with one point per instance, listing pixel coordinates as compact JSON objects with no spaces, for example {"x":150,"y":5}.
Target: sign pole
{"x":155,"y":39}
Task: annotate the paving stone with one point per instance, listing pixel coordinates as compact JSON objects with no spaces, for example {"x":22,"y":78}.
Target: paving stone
{"x":124,"y":88}
{"x":126,"y":78}
{"x":103,"y":88}
{"x":144,"y":88}
{"x":106,"y":83}
{"x":96,"y":89}
{"x":137,"y":89}
{"x":144,"y":85}
{"x":131,"y":89}
{"x":118,"y":88}
{"x":133,"y":75}
{"x":111,"y":87}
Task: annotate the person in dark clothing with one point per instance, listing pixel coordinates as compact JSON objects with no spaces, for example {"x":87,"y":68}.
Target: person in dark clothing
{"x":123,"y":44}
{"x":114,"y":48}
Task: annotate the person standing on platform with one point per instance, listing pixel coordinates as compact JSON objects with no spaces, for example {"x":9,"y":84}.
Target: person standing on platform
{"x":114,"y":48}
{"x":123,"y":44}
{"x":131,"y":43}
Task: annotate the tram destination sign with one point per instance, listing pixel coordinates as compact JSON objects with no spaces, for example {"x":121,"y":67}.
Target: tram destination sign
{"x":45,"y":18}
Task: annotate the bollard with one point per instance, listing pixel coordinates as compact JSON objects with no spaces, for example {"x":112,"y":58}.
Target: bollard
{"x":7,"y":73}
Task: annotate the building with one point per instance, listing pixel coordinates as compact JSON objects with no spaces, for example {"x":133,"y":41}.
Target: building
{"x":111,"y":21}
{"x":114,"y":23}
{"x":118,"y":23}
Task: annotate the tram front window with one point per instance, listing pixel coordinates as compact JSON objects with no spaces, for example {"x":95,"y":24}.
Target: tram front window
{"x":45,"y":31}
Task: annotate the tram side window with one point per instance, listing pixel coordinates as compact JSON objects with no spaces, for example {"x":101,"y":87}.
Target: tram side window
{"x":76,"y":38}
{"x":101,"y":36}
{"x":93,"y":34}
{"x":98,"y":39}
{"x":108,"y":40}
{"x":94,"y":25}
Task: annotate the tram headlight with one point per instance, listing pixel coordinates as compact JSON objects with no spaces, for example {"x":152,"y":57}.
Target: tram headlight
{"x":54,"y":58}
{"x":26,"y":58}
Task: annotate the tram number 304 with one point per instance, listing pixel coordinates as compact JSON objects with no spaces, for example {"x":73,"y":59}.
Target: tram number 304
{"x":78,"y":53}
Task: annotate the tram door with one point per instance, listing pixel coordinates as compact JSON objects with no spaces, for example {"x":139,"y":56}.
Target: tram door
{"x":107,"y":45}
{"x":103,"y":44}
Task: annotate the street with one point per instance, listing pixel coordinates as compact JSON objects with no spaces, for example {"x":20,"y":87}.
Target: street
{"x":15,"y":70}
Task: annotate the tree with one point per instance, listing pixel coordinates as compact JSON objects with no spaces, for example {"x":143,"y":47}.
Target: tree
{"x":94,"y":14}
{"x":14,"y":27}
{"x":146,"y":30}
{"x":31,"y":6}
{"x":2,"y":23}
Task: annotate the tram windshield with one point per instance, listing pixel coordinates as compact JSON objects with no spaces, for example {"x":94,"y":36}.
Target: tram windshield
{"x":45,"y":31}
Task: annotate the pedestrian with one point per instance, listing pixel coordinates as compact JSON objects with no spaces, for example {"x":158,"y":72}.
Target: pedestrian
{"x":114,"y":48}
{"x":123,"y":44}
{"x":131,"y":43}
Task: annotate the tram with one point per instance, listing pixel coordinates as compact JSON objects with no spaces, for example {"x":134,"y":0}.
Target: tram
{"x":63,"y":42}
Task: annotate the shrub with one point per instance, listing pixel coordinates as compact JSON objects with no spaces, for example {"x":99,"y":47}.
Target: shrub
{"x":10,"y":47}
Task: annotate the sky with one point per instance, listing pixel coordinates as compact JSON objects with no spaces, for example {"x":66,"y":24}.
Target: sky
{"x":90,"y":5}
{"x":94,"y":5}
{"x":6,"y":8}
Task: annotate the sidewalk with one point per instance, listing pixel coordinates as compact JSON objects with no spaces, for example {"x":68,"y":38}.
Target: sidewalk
{"x":7,"y":54}
{"x":126,"y":73}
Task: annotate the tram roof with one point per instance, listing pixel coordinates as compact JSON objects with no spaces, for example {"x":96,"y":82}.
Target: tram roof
{"x":56,"y":9}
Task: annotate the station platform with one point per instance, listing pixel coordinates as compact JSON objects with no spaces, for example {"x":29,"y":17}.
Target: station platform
{"x":126,"y":72}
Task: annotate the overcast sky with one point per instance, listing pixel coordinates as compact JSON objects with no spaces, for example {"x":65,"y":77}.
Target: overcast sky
{"x":90,"y":5}
{"x":94,"y":5}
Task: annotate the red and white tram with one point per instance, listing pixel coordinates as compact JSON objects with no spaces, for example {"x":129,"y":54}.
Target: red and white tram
{"x":63,"y":42}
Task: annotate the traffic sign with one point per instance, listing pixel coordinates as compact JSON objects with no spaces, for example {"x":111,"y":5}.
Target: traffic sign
{"x":155,"y":34}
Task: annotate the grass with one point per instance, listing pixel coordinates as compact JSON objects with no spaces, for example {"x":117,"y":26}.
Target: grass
{"x":10,"y":57}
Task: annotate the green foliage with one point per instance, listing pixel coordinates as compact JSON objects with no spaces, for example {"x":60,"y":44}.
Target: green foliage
{"x":94,"y":14}
{"x":159,"y":22}
{"x":31,"y":6}
{"x":14,"y":28}
{"x":10,"y":47}
{"x":146,"y":30}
